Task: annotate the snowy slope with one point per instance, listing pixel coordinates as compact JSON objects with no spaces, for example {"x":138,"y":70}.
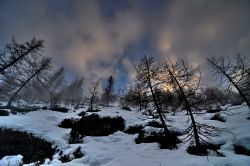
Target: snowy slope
{"x":119,"y":149}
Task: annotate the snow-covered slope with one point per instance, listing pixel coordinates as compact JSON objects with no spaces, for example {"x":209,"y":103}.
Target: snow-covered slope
{"x":120,"y":149}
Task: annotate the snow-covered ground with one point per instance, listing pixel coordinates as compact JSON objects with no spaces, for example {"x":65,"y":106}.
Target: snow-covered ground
{"x":120,"y":149}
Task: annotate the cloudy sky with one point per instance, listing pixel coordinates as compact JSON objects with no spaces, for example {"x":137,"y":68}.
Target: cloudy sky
{"x":96,"y":38}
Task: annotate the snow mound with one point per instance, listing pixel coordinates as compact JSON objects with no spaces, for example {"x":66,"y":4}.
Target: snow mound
{"x":11,"y":160}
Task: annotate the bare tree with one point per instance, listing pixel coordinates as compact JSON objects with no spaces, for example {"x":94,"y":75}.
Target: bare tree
{"x":185,"y":80}
{"x":94,"y":93}
{"x":33,"y":72}
{"x":182,"y":76}
{"x":14,"y":52}
{"x":147,"y":77}
{"x":233,"y":72}
{"x":245,"y":84}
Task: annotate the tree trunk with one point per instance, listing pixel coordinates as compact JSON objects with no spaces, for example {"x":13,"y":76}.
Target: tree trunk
{"x":155,"y":102}
{"x":159,"y":111}
{"x":140,"y":102}
{"x":91,"y":103}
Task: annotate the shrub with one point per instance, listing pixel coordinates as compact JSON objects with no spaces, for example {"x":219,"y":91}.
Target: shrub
{"x":13,"y":112}
{"x":93,"y":125}
{"x":155,"y":124}
{"x":203,"y":150}
{"x":44,"y":108}
{"x":77,"y":153}
{"x":134,"y":129}
{"x":83,"y":113}
{"x":4,"y":113}
{"x":93,"y":110}
{"x":218,"y":117}
{"x":241,"y":150}
{"x":75,"y":137}
{"x":23,"y":110}
{"x":67,"y":123}
{"x":60,"y":109}
{"x":165,"y":142}
{"x":214,"y":110}
{"x":33,"y":149}
{"x":67,"y":158}
{"x":126,"y":108}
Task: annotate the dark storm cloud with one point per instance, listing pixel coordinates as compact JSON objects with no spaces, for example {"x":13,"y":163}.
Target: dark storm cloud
{"x":200,"y":29}
{"x":97,"y":37}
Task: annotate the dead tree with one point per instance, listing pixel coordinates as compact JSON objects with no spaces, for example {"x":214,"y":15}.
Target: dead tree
{"x":232,"y":72}
{"x":37,"y":69}
{"x":15,"y":52}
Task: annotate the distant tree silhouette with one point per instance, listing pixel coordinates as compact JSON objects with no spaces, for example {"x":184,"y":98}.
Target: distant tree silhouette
{"x":53,"y":86}
{"x":108,"y":91}
{"x":135,"y":97}
{"x":94,"y":95}
{"x":72,"y":93}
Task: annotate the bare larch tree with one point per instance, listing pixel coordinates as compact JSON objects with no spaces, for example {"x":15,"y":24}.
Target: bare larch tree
{"x":233,"y":72}
{"x":15,"y":52}
{"x":35,"y":71}
{"x":148,"y":78}
{"x":181,"y":76}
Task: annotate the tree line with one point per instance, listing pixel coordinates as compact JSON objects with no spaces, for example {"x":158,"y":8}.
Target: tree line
{"x":26,"y":75}
{"x":25,"y":71}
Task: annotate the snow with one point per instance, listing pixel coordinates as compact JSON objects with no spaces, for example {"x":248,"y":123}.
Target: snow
{"x":11,"y":160}
{"x":120,"y":149}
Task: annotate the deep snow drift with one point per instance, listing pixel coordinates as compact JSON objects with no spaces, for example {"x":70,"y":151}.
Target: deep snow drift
{"x":120,"y":149}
